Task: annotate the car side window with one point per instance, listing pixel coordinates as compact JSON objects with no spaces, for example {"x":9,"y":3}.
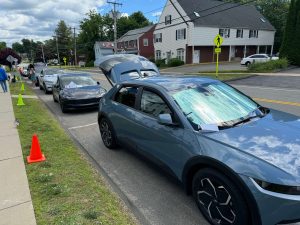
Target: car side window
{"x":127,"y":96}
{"x":153,"y":104}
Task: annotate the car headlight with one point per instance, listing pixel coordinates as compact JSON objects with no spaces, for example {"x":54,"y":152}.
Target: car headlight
{"x":66,"y":95}
{"x":277,"y":188}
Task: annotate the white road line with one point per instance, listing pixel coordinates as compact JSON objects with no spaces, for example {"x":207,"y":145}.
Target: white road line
{"x":87,"y":125}
{"x":265,"y":88}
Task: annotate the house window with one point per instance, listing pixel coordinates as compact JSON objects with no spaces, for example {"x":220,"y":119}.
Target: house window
{"x":224,"y":32}
{"x":158,"y":37}
{"x":168,"y":19}
{"x":158,"y":54}
{"x":181,"y":34}
{"x":239,"y":33}
{"x":145,"y":41}
{"x":253,"y":33}
{"x":180,"y":54}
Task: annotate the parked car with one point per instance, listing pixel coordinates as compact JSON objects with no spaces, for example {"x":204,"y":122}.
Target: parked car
{"x":257,"y":58}
{"x":238,"y":159}
{"x":47,"y":78}
{"x":74,"y":91}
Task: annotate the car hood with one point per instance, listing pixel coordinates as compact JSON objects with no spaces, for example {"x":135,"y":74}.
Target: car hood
{"x":274,"y":139}
{"x":83,"y":92}
{"x":50,"y":78}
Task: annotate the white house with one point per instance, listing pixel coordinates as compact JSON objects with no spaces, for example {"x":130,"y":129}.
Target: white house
{"x":102,"y":49}
{"x":187,"y":28}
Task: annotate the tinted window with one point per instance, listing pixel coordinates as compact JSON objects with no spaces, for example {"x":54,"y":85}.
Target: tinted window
{"x":127,"y":96}
{"x":153,"y":104}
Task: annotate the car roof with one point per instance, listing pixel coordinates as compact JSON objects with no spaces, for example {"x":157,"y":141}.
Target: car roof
{"x":171,"y":82}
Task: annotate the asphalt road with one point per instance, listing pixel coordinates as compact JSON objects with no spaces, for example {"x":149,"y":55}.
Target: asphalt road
{"x":154,"y":197}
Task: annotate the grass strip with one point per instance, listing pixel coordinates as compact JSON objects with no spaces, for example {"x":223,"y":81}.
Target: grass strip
{"x":225,"y":76}
{"x":15,"y":88}
{"x":65,"y":189}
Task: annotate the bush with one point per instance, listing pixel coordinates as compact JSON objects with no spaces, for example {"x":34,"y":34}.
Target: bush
{"x":269,"y":66}
{"x":90,"y":64}
{"x":160,"y":62}
{"x":175,"y":62}
{"x":151,"y":59}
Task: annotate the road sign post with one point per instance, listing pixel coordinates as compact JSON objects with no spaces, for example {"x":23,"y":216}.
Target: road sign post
{"x":218,"y":42}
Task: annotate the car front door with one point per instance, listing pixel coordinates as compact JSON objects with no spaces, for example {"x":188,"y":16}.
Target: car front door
{"x":169,"y":146}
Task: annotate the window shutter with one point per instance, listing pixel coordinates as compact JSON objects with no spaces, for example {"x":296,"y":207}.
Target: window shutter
{"x":176,"y":34}
{"x":184,"y":33}
{"x":160,"y":37}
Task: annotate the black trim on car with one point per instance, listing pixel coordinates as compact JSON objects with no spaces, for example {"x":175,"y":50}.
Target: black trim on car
{"x":198,"y":162}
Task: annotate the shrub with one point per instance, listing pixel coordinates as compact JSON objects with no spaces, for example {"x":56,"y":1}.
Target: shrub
{"x":160,"y":62}
{"x":175,"y":62}
{"x":269,"y":66}
{"x":90,"y":64}
{"x":151,"y":59}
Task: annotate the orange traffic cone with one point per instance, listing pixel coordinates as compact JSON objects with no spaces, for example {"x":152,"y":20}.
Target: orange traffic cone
{"x":35,"y":151}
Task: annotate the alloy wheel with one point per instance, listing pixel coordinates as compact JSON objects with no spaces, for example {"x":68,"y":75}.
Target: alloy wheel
{"x":106,"y":133}
{"x":216,"y":201}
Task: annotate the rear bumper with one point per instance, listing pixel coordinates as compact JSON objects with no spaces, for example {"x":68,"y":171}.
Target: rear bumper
{"x":274,"y":208}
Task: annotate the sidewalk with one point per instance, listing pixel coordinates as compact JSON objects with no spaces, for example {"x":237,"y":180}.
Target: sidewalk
{"x":15,"y":199}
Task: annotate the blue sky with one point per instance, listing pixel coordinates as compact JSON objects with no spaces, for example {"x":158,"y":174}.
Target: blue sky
{"x":148,"y":7}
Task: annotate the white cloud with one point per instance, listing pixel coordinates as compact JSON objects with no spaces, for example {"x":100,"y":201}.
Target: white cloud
{"x":124,"y":14}
{"x":156,"y":14}
{"x":35,"y":19}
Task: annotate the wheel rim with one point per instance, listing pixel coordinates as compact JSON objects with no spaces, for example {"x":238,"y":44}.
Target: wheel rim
{"x":106,"y":133}
{"x":216,"y":202}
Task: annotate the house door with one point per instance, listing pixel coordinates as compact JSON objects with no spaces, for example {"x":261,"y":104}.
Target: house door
{"x":168,"y":57}
{"x":196,"y":56}
{"x":232,"y":56}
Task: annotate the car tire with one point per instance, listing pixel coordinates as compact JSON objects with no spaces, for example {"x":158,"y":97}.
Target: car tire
{"x":54,"y":99}
{"x":107,"y":133}
{"x":62,"y":107}
{"x":247,"y":63}
{"x":41,"y":87}
{"x":219,"y":199}
{"x":45,"y":89}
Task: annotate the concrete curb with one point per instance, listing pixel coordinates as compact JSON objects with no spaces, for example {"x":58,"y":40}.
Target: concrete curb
{"x":15,"y":200}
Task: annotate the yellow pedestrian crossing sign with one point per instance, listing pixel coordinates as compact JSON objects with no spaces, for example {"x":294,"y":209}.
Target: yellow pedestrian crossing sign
{"x":65,"y":60}
{"x":218,"y":40}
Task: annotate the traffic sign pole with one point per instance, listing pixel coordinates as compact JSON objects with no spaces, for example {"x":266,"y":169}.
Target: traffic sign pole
{"x":218,"y":40}
{"x":217,"y":66}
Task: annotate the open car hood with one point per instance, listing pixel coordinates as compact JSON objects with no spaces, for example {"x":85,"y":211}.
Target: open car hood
{"x":124,"y":67}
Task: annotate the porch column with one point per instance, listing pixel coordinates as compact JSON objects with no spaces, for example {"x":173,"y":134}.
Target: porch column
{"x":272,"y":48}
{"x":230,"y":53}
{"x":257,"y":50}
{"x":245,"y":51}
{"x":193,"y":49}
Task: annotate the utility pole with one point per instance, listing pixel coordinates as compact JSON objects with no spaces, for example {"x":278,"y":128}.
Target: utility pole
{"x":115,"y":15}
{"x":43,"y":53}
{"x":75,"y":48}
{"x":57,"y":50}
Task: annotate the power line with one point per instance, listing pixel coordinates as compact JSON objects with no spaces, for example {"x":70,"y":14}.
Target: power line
{"x":115,"y":15}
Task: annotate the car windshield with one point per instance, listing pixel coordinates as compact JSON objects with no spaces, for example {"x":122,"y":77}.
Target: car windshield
{"x":77,"y":81}
{"x":52,"y":72}
{"x":214,"y":103}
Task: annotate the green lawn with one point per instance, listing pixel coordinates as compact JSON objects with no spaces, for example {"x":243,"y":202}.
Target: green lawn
{"x":15,"y":88}
{"x":65,"y":189}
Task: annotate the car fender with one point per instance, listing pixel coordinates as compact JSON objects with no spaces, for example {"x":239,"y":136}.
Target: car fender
{"x":199,"y":162}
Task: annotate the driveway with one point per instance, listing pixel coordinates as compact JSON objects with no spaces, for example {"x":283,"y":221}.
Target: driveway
{"x":195,"y":68}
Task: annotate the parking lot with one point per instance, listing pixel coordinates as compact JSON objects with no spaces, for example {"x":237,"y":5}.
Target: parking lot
{"x":153,"y":196}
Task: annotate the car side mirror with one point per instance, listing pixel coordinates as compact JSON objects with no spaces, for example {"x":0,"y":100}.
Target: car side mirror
{"x":165,"y":119}
{"x":98,"y":83}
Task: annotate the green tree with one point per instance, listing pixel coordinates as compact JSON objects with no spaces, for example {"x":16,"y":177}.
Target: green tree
{"x":18,"y":47}
{"x":93,"y":28}
{"x":297,"y":40}
{"x":140,"y":19}
{"x":2,"y":45}
{"x":288,"y":45}
{"x":63,"y":33}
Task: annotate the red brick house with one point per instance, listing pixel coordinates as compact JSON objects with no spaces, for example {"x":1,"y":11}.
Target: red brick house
{"x":138,"y":41}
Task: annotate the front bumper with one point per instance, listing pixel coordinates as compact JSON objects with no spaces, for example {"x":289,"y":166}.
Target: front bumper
{"x":274,"y":208}
{"x":81,"y":103}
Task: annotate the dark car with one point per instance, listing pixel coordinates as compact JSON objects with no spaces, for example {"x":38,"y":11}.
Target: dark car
{"x":77,"y":91}
{"x":239,"y":160}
